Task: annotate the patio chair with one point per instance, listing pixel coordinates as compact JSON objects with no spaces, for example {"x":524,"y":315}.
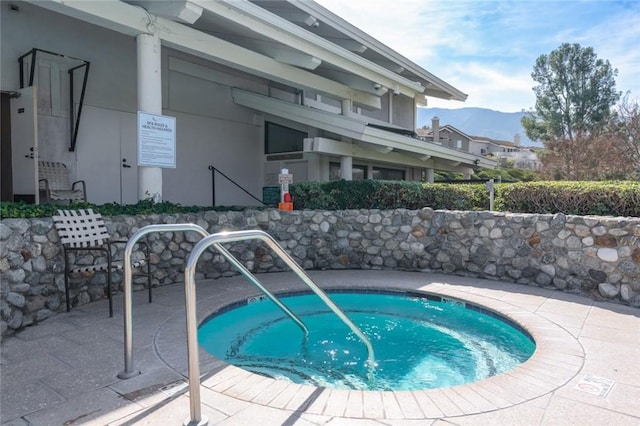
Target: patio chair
{"x":85,"y":231}
{"x":55,"y":184}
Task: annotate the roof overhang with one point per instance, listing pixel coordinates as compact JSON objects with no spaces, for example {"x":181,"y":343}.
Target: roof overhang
{"x":434,"y":86}
{"x":133,"y":20}
{"x":300,"y":35}
{"x":255,"y":19}
{"x":381,"y":141}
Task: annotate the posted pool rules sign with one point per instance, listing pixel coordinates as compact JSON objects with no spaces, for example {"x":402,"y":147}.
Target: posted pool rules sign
{"x":156,"y":140}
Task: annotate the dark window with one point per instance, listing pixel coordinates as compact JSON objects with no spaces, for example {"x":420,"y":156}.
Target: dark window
{"x":279,"y":138}
{"x":358,"y":172}
{"x":381,"y":173}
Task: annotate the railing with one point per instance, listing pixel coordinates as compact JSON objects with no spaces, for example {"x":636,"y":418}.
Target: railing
{"x":215,"y":240}
{"x":190,"y":296}
{"x":129,"y":370}
{"x":213,"y":186}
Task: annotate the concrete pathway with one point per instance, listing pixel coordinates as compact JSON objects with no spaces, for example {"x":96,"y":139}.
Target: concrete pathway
{"x":586,"y":369}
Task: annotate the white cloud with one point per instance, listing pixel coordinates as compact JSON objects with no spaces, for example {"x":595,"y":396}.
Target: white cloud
{"x":487,"y":49}
{"x":489,"y":87}
{"x":415,"y":28}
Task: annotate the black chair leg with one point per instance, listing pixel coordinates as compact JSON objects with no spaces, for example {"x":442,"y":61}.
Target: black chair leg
{"x":149,"y":274}
{"x":66,"y":281}
{"x":109,"y":284}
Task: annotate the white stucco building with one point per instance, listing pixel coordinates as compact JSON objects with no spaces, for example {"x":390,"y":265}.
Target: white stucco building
{"x":254,"y":86}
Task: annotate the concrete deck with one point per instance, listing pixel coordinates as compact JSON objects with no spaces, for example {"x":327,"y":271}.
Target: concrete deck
{"x":586,"y":369}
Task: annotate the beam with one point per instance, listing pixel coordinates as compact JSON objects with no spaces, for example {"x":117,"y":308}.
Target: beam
{"x":132,"y":20}
{"x":181,"y":10}
{"x":256,"y":19}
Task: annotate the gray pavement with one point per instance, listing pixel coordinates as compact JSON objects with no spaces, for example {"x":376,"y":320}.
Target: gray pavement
{"x":64,"y":371}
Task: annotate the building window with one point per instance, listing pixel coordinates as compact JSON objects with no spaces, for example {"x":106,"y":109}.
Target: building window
{"x":279,"y":138}
{"x":381,"y":173}
{"x":483,"y":151}
{"x":458,"y":144}
{"x":358,"y":172}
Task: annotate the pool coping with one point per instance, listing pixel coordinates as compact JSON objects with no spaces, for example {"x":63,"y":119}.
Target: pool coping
{"x":558,"y":358}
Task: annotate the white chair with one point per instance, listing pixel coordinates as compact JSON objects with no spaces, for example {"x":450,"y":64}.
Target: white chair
{"x":55,"y":184}
{"x":84,"y":230}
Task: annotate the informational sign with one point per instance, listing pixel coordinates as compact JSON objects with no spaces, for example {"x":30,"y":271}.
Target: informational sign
{"x":156,"y":140}
{"x":285,"y":178}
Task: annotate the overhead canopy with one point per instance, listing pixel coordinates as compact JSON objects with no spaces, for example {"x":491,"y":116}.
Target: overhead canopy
{"x":305,"y":35}
{"x":375,"y":138}
{"x":298,"y":43}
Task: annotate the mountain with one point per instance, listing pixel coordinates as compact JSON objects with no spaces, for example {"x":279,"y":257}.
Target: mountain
{"x":479,"y":122}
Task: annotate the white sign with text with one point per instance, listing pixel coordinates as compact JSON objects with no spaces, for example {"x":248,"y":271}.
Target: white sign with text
{"x":156,"y":140}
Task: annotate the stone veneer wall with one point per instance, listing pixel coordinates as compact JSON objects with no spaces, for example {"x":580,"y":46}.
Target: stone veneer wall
{"x":596,"y":256}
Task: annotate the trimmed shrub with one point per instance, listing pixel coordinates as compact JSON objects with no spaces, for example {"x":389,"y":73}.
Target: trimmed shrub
{"x":377,"y":194}
{"x":579,"y":198}
{"x":24,"y":210}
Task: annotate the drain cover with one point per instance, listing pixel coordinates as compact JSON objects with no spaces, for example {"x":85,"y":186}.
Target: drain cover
{"x":595,"y":385}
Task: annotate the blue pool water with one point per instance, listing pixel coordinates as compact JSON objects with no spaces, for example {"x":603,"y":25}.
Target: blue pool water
{"x":419,"y":342}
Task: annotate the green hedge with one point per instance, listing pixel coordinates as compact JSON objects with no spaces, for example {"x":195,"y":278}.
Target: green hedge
{"x":24,"y":210}
{"x":579,"y":198}
{"x":377,"y":194}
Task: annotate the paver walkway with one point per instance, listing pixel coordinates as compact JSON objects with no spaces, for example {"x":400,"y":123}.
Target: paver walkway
{"x":586,"y":370}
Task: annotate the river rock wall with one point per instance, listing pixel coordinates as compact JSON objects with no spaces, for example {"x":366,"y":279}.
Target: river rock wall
{"x":595,"y":256}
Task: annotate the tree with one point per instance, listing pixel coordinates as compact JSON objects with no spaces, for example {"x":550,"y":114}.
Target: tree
{"x":574,"y":95}
{"x":625,"y":128}
{"x":586,"y":157}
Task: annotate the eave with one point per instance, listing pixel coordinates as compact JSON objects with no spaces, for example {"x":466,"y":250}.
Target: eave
{"x":132,"y":20}
{"x":436,"y":87}
{"x":256,"y":19}
{"x":384,"y":140}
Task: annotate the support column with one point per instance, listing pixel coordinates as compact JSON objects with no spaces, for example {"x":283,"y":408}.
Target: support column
{"x":346,"y":168}
{"x":369,"y":171}
{"x":149,"y":101}
{"x":430,"y":175}
{"x":347,"y":105}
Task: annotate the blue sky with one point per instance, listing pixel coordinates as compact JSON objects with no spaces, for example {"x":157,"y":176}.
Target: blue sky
{"x":487,"y":48}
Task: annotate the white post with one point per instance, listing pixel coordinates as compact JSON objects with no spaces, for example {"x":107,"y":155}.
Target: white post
{"x":346,"y":168}
{"x":491,"y":193}
{"x":284,"y":187}
{"x":347,"y":105}
{"x":149,"y":101}
{"x":430,"y":175}
{"x":369,"y":171}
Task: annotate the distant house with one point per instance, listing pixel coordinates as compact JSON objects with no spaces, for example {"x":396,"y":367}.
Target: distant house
{"x":507,"y":154}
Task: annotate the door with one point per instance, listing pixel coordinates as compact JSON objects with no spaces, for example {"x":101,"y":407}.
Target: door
{"x":6,"y":177}
{"x":24,"y":145}
{"x":107,"y":155}
{"x":128,"y":158}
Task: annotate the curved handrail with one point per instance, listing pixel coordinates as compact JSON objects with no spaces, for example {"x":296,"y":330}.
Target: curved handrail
{"x":190,"y":296}
{"x":248,"y":275}
{"x":232,"y":236}
{"x":129,"y":371}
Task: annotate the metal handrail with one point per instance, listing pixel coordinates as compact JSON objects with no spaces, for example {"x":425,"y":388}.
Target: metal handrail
{"x":190,"y":295}
{"x":213,"y":186}
{"x":129,"y":370}
{"x":215,"y":240}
